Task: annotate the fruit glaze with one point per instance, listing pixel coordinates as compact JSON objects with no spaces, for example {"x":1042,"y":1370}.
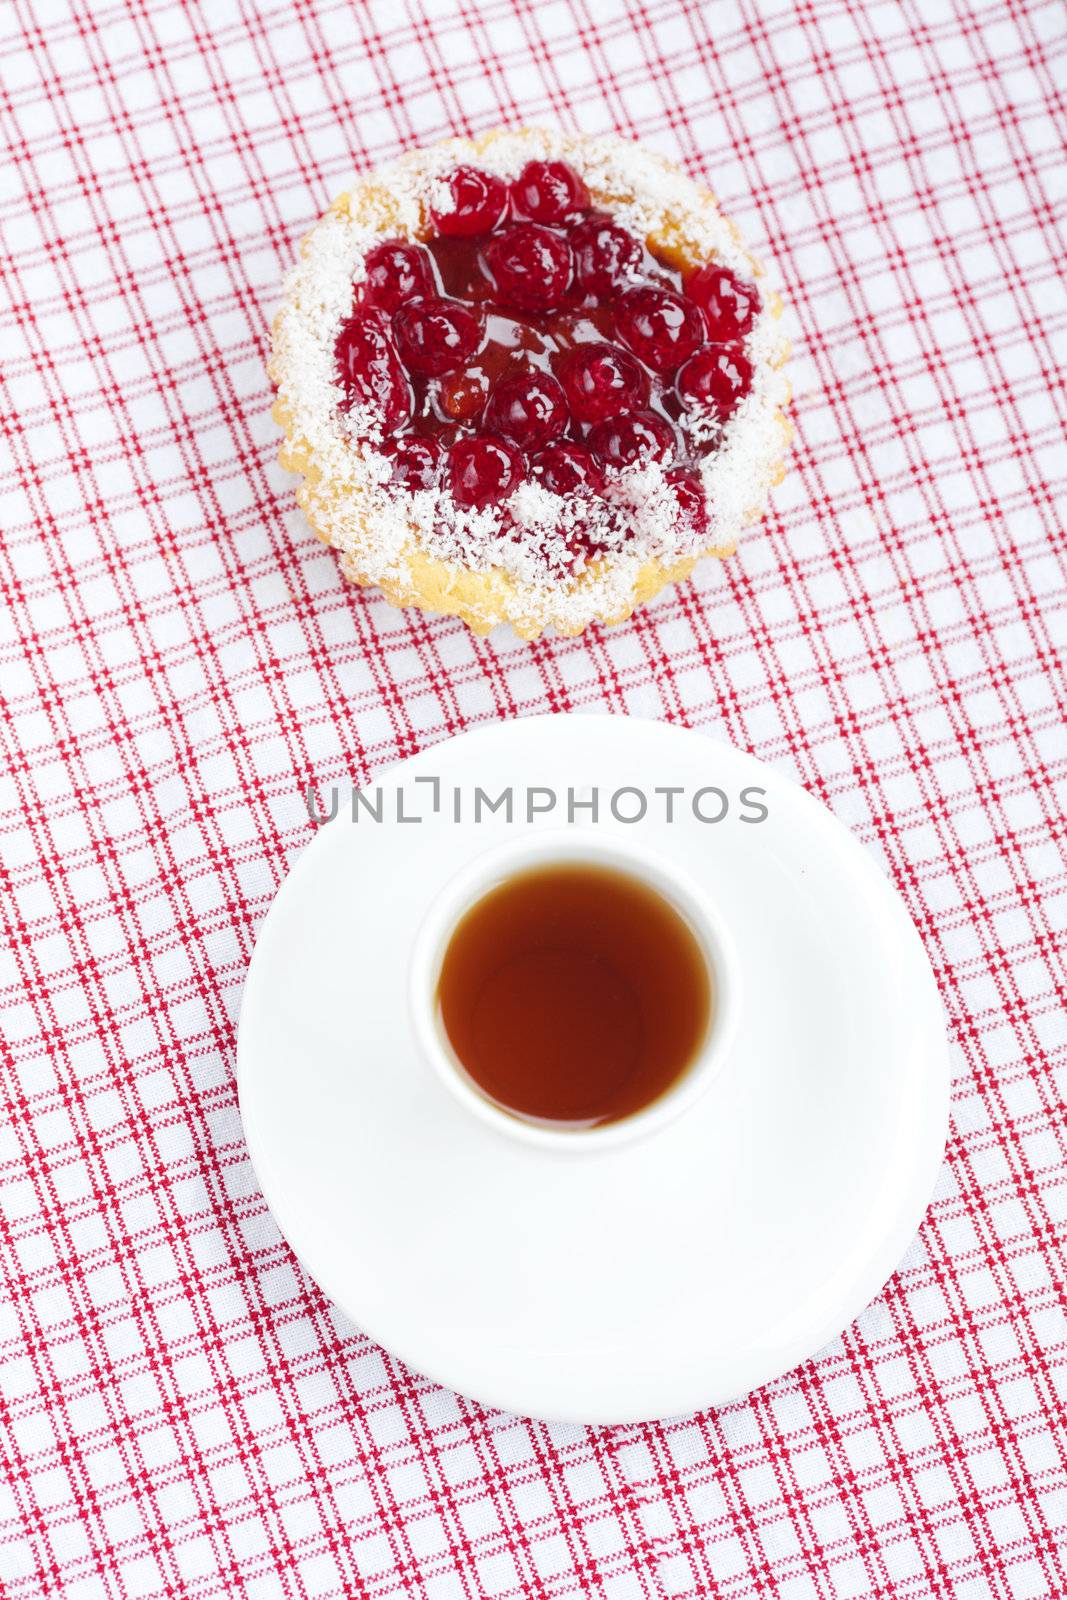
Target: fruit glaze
{"x":529,"y":380}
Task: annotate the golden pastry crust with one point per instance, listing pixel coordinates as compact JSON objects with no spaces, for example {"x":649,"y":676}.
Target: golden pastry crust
{"x":482,"y":598}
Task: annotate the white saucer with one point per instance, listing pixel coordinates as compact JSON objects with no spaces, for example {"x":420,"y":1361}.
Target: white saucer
{"x":648,"y":1278}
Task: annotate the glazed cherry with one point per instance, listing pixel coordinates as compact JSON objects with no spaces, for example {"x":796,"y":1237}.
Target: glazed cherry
{"x":530,"y":410}
{"x":370,"y":367}
{"x":436,"y":336}
{"x":548,"y":191}
{"x":482,"y":472}
{"x":728,"y":303}
{"x":461,"y":396}
{"x":606,"y":257}
{"x":692,"y":502}
{"x":479,"y":203}
{"x":715,"y":379}
{"x":416,"y":462}
{"x":397,"y":272}
{"x":567,"y":468}
{"x":659,"y":326}
{"x":587,"y":535}
{"x":530,"y":266}
{"x":636,"y":440}
{"x":601,"y":381}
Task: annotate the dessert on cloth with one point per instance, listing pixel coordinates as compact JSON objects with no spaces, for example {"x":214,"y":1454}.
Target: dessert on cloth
{"x":529,"y":378}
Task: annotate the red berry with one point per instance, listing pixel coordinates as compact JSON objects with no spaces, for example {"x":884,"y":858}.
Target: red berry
{"x":397,"y":271}
{"x":692,"y":502}
{"x":548,"y":191}
{"x":415,"y":462}
{"x":370,"y":368}
{"x":716,"y":379}
{"x":601,"y":381}
{"x":530,"y":266}
{"x":479,"y":202}
{"x":636,"y":440}
{"x":606,"y":256}
{"x":588,"y":536}
{"x":462,"y":395}
{"x":728,"y":303}
{"x":483,"y":471}
{"x":567,"y":468}
{"x":659,"y":326}
{"x":529,"y":409}
{"x":436,"y":336}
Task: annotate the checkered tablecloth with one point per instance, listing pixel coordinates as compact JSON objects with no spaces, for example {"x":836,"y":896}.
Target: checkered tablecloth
{"x":182,"y":1413}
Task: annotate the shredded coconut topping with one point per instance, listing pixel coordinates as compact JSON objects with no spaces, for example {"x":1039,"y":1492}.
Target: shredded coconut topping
{"x":378,"y":526}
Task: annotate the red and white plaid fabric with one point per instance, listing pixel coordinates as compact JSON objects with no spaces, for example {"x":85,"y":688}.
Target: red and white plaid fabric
{"x":182,"y":1413}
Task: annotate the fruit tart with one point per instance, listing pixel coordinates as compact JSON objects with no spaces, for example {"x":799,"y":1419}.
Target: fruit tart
{"x":529,"y":378}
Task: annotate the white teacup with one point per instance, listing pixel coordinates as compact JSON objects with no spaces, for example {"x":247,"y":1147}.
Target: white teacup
{"x":578,"y":846}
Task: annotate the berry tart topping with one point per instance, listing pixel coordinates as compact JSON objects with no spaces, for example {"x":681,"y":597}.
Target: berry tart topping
{"x":729,"y":304}
{"x":692,"y":503}
{"x":569,"y":469}
{"x":606,"y":257}
{"x":539,"y":330}
{"x":396,"y":272}
{"x":476,"y":203}
{"x":602,"y":381}
{"x":482,"y":472}
{"x":530,"y":266}
{"x":549,"y":191}
{"x":660,"y":328}
{"x":530,"y":410}
{"x":462,"y":395}
{"x":636,"y":440}
{"x":370,"y":370}
{"x":416,"y":462}
{"x":543,"y":379}
{"x":435,"y":336}
{"x":715,"y":380}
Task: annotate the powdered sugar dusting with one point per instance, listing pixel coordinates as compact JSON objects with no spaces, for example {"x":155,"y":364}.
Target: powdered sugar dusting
{"x":377,"y":526}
